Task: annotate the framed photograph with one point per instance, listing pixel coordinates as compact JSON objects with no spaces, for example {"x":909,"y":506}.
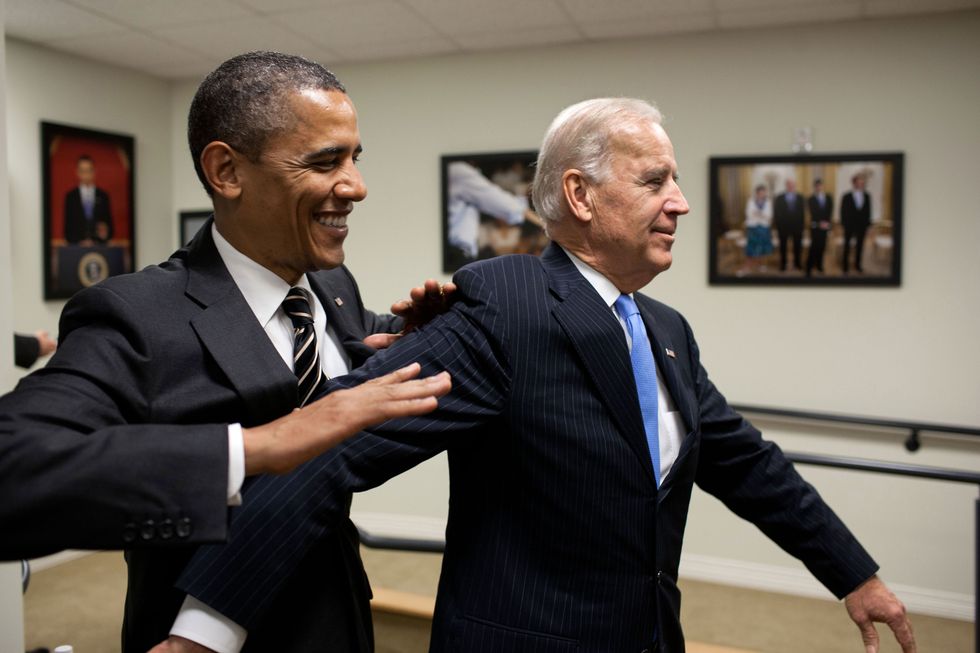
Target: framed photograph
{"x":88,"y":203}
{"x":191,"y":222}
{"x":817,"y":219}
{"x":487,"y":209}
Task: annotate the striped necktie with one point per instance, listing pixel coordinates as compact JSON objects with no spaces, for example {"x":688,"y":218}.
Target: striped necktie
{"x":306,"y":355}
{"x":644,"y":374}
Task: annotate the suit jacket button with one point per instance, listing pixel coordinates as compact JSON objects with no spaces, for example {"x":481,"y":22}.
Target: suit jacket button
{"x":660,"y":576}
{"x":166,"y":529}
{"x":148,"y":530}
{"x":184,"y":527}
{"x":129,"y":533}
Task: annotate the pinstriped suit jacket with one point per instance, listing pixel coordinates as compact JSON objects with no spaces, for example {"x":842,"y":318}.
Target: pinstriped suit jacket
{"x":558,"y":538}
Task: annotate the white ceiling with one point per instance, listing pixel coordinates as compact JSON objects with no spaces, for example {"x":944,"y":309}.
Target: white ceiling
{"x":188,"y":38}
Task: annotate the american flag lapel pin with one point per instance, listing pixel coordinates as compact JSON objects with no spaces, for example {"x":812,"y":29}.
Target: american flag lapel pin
{"x":670,"y":352}
{"x":338,"y":301}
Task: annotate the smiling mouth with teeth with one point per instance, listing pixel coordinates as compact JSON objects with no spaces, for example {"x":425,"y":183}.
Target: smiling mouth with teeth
{"x":332,"y":221}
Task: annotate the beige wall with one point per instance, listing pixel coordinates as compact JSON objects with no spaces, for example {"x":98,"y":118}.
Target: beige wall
{"x":51,"y":86}
{"x":11,"y":604}
{"x":910,"y":352}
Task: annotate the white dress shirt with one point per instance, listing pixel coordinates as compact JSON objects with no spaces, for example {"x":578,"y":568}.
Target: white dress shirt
{"x":670,"y":425}
{"x":263,"y":291}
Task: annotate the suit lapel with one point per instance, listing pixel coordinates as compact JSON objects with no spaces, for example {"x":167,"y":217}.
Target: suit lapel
{"x":343,"y":314}
{"x":228,"y":330}
{"x":600,"y":343}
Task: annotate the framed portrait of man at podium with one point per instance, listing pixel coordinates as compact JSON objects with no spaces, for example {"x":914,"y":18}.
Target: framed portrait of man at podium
{"x":88,"y":202}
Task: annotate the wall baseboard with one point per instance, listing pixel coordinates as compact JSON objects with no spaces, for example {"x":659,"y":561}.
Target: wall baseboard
{"x":722,"y":571}
{"x":799,"y":582}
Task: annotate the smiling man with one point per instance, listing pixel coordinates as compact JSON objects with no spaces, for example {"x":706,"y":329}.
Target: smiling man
{"x":579,"y":422}
{"x":172,"y":384}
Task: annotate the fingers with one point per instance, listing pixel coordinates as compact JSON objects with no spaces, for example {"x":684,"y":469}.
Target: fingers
{"x":381,"y":340}
{"x":869,"y":636}
{"x":414,"y":397}
{"x":903,"y":633}
{"x":398,"y":376}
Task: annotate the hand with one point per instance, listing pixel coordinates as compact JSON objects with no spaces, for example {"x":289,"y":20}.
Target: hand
{"x":873,"y":601}
{"x":426,"y":301}
{"x":281,"y":445}
{"x":46,"y":344}
{"x":381,"y":340}
{"x":175,"y":644}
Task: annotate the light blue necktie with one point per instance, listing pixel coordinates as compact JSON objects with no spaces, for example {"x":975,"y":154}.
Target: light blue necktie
{"x":645,"y":375}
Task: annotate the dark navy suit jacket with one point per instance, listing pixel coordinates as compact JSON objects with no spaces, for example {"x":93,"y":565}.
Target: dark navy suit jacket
{"x":558,"y":538}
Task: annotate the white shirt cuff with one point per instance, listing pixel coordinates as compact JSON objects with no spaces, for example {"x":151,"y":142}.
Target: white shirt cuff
{"x":200,"y":623}
{"x":236,"y":464}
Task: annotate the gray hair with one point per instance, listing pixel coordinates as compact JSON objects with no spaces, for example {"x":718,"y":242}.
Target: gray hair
{"x":580,"y":137}
{"x":243,"y":102}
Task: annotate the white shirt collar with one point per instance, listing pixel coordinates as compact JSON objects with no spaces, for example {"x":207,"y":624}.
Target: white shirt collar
{"x":262,"y":288}
{"x":606,"y":288}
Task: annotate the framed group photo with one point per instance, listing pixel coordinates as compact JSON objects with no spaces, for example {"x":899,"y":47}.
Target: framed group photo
{"x":487,"y":209}
{"x":88,"y":207}
{"x":828,"y":219}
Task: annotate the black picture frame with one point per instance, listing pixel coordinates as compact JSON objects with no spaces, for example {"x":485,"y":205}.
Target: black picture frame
{"x":88,"y":236}
{"x":475,"y":228}
{"x":814,"y":249}
{"x":191,"y":222}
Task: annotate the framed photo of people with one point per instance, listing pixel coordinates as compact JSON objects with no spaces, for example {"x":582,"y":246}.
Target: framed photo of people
{"x":88,"y":203}
{"x":816,"y":219}
{"x":487,"y":209}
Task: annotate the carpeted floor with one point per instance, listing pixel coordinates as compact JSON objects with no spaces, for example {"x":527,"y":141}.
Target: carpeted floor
{"x":80,"y":603}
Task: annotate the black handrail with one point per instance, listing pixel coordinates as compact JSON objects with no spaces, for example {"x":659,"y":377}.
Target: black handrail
{"x":912,"y":443}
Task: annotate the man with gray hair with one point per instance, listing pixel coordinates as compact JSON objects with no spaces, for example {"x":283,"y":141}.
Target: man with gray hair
{"x":579,"y":421}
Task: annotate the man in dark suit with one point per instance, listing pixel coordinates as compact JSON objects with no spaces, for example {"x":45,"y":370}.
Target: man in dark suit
{"x":580,"y":419}
{"x":205,"y":359}
{"x":88,"y":218}
{"x":821,"y":207}
{"x":855,"y":216}
{"x":787,"y":210}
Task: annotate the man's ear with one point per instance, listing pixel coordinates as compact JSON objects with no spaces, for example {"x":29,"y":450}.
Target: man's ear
{"x":576,"y":190}
{"x":220,"y":164}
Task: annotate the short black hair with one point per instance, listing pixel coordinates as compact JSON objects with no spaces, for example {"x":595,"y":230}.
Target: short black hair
{"x":243,"y":101}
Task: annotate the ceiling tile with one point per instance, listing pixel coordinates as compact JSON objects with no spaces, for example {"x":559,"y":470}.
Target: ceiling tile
{"x":278,"y":6}
{"x":790,"y":15}
{"x":44,"y":20}
{"x":358,"y":24}
{"x":638,"y":27}
{"x":129,"y":49}
{"x":740,"y":5}
{"x":454,"y":17}
{"x":399,"y":49}
{"x":588,"y":11}
{"x":522,"y":38}
{"x":171,"y":12}
{"x":901,"y":7}
{"x":233,"y":37}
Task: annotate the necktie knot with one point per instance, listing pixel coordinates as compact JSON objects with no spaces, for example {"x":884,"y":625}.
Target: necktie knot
{"x":626,"y":307}
{"x":298,"y":307}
